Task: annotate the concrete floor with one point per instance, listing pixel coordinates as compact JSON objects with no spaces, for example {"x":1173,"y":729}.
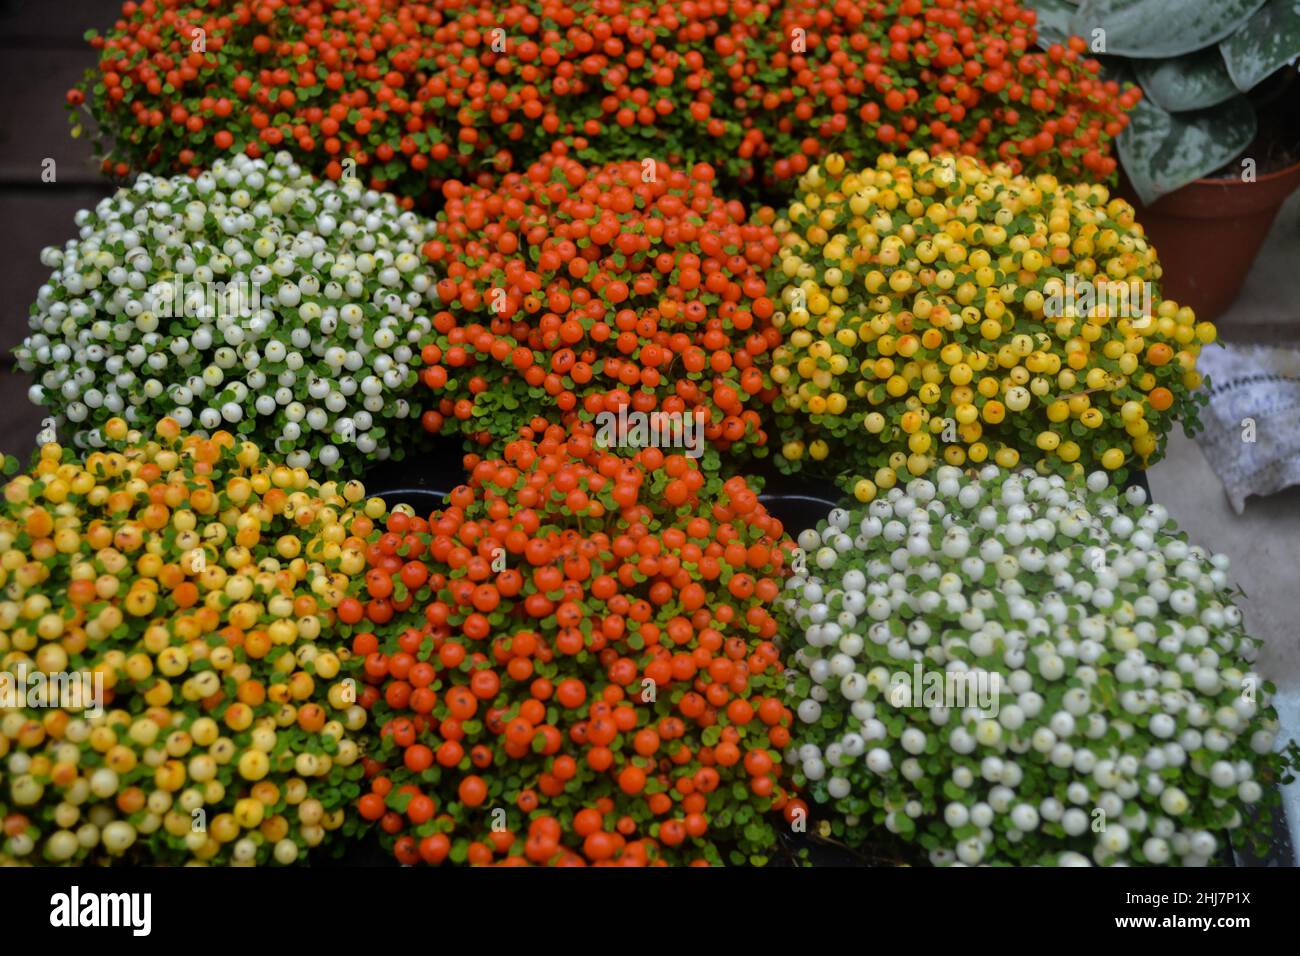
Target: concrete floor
{"x":1264,"y":545}
{"x":1264,"y":541}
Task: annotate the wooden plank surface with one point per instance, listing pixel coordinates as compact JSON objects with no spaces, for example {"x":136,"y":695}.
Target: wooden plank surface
{"x":42,"y":53}
{"x":34,"y":124}
{"x":54,"y":23}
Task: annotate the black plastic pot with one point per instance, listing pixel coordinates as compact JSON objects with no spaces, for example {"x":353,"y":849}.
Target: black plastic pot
{"x":422,"y":479}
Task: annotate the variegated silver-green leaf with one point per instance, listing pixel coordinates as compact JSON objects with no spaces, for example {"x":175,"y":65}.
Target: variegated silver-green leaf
{"x":1053,"y":20}
{"x":1190,"y":82}
{"x":1163,"y":151}
{"x":1267,"y":41}
{"x":1151,"y":29}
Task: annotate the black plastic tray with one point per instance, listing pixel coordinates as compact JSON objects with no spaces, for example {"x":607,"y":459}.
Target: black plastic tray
{"x":425,"y":479}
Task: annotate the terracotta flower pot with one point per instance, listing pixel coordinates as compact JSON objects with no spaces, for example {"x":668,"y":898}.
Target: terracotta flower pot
{"x":1208,"y":233}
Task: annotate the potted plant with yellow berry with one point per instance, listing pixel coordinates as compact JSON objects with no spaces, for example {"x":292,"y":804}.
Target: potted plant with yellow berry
{"x":938,"y":310}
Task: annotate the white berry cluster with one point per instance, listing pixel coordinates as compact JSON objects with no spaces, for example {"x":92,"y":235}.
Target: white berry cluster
{"x":1124,"y":723}
{"x":251,"y":298}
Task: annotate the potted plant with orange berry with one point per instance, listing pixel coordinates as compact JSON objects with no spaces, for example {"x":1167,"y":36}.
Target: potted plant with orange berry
{"x":575,"y":291}
{"x":407,"y":96}
{"x":573,"y":663}
{"x":962,"y":77}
